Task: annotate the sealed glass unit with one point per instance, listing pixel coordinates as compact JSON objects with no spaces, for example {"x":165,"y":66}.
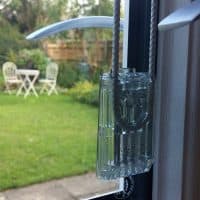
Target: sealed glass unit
{"x":125,"y":130}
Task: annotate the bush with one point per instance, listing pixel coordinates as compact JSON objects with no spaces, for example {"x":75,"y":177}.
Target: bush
{"x":2,"y":85}
{"x":85,"y":92}
{"x":68,"y":74}
{"x":73,"y":72}
{"x":34,"y":58}
{"x":84,"y":71}
{"x":96,"y":71}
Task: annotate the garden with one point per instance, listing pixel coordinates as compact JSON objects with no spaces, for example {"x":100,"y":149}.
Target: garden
{"x":49,"y":137}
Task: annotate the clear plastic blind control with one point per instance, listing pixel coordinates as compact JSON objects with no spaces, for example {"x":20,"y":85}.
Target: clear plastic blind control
{"x":125,"y":140}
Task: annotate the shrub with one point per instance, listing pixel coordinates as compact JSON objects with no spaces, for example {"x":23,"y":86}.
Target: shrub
{"x":84,"y":71}
{"x":85,"y":92}
{"x":2,"y":85}
{"x":96,"y":71}
{"x":68,"y":74}
{"x":34,"y":58}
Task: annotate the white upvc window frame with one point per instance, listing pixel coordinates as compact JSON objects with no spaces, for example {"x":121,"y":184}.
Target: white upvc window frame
{"x":177,"y":111}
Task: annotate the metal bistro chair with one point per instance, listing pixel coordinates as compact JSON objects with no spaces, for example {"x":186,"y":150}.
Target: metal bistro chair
{"x":49,"y":83}
{"x":10,"y":76}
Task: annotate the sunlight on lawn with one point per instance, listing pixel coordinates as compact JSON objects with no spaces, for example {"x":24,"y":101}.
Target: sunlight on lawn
{"x":45,"y":138}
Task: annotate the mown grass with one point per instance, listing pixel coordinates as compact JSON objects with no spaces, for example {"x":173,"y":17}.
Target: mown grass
{"x":45,"y":138}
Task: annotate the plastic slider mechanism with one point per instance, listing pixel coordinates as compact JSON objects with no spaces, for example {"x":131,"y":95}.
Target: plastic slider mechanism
{"x":181,"y":17}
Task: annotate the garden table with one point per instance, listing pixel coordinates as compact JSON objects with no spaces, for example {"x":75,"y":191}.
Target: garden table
{"x":29,"y":77}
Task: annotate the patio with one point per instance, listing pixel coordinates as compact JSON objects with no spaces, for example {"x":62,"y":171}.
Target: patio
{"x":25,"y":79}
{"x":72,"y":188}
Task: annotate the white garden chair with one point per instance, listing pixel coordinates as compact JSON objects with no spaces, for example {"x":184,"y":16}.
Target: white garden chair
{"x":10,"y":76}
{"x":49,"y":83}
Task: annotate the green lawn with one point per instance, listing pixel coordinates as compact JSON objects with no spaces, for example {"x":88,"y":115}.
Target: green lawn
{"x":45,"y":138}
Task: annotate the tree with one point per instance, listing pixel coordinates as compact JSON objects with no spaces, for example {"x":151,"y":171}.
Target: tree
{"x":30,"y":14}
{"x":4,"y":3}
{"x":11,"y":39}
{"x":22,"y":13}
{"x":78,"y":8}
{"x":102,"y":8}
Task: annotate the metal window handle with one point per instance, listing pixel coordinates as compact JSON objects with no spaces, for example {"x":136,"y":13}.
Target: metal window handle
{"x":76,"y":23}
{"x":181,"y":17}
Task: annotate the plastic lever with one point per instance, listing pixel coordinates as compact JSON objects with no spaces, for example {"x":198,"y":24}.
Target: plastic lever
{"x":76,"y":23}
{"x":181,"y":17}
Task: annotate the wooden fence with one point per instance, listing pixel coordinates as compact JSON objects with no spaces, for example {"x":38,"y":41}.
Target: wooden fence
{"x":93,"y":52}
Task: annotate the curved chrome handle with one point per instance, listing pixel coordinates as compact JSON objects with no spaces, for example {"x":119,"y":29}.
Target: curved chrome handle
{"x":181,"y":17}
{"x":76,"y":23}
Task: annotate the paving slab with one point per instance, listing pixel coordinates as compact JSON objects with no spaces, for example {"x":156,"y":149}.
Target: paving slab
{"x":72,"y":188}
